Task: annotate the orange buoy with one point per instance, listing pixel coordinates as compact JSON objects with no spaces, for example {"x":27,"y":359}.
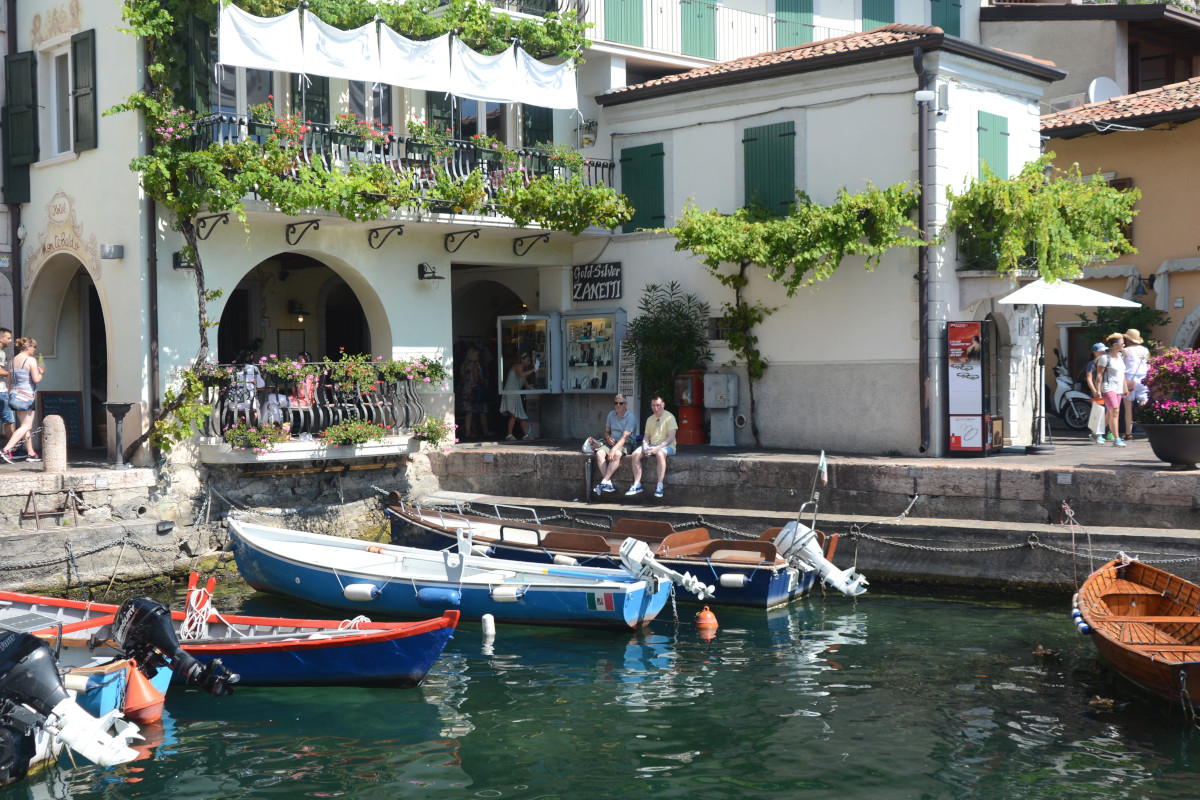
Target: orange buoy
{"x":706,"y":624}
{"x":143,"y":703}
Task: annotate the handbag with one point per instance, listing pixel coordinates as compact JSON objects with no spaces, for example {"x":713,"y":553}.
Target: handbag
{"x":1096,"y":417}
{"x":21,"y":400}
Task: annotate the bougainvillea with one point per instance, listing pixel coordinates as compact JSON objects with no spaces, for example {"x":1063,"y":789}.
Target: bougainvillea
{"x":1173,"y":380}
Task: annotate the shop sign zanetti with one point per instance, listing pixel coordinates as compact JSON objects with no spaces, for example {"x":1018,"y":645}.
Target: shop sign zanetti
{"x":63,"y":233}
{"x":596,"y":281}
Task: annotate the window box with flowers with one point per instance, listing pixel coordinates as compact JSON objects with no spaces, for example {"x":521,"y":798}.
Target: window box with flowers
{"x":262,"y":118}
{"x":1171,"y":416}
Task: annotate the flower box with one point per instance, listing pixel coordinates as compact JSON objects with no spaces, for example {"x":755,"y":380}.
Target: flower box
{"x":317,"y":450}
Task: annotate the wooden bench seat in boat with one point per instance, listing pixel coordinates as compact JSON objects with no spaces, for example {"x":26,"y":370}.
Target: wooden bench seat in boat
{"x":1122,"y":586}
{"x":591,"y":543}
{"x":648,"y":530}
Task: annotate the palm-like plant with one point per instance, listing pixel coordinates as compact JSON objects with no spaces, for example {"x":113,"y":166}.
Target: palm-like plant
{"x":669,"y":335}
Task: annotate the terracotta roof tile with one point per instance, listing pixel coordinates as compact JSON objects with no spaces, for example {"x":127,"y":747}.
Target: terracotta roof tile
{"x":1132,"y":109}
{"x":879,"y":37}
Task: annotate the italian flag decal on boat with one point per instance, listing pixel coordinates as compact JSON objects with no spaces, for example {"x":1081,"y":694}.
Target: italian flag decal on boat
{"x":600,"y":601}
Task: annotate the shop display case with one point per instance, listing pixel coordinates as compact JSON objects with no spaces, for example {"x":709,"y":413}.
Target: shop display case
{"x":593,"y":350}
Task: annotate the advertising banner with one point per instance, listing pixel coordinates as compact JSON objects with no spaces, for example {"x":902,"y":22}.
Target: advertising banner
{"x":968,"y":433}
{"x":965,"y":367}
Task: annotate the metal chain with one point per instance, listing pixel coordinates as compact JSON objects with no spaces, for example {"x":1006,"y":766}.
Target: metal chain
{"x":856,"y":533}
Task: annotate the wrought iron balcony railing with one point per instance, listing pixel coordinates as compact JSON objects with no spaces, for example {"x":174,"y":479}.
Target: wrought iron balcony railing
{"x":410,"y":161}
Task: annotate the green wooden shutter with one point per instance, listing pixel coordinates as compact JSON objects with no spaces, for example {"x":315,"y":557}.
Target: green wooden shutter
{"x":642,"y":185}
{"x":876,"y":13}
{"x":793,"y":22}
{"x":993,"y":144}
{"x":537,"y":126}
{"x":83,"y":90}
{"x":199,"y":66}
{"x":20,"y":84}
{"x":441,"y":110}
{"x":16,"y":178}
{"x":623,"y":21}
{"x":769,"y":152}
{"x":699,"y":28}
{"x":947,"y":14}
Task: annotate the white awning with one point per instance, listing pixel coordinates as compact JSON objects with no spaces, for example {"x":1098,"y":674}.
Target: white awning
{"x":1040,"y":293}
{"x":353,"y":55}
{"x":416,"y":65}
{"x":480,"y":77}
{"x":244,"y":40}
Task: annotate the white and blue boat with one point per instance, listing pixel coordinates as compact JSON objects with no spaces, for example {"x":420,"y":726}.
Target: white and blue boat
{"x":779,"y":566}
{"x":384,"y":579}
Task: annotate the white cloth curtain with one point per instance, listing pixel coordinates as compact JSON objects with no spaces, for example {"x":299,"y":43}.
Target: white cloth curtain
{"x":368,"y":54}
{"x":480,"y":77}
{"x":546,"y":85}
{"x":353,"y":55}
{"x":244,"y":40}
{"x":416,"y":65}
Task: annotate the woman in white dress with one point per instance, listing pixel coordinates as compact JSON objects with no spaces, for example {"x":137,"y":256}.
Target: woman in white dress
{"x":1136,"y":356}
{"x":510,"y":397}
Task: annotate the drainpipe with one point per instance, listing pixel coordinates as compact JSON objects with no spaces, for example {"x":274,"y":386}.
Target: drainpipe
{"x":152,"y":287}
{"x":923,"y":250}
{"x":14,"y":209}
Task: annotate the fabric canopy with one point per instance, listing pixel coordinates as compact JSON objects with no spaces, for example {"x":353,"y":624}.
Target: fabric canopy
{"x":378,"y":54}
{"x":417,"y":65}
{"x":1040,"y":293}
{"x":244,"y":40}
{"x":353,"y":55}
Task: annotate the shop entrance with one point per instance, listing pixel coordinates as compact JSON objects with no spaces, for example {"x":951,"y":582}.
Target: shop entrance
{"x":475,"y":309}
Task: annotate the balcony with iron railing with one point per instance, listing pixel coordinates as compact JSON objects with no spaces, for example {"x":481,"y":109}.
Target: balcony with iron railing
{"x":299,"y":414}
{"x":694,"y":28}
{"x":411,"y":162}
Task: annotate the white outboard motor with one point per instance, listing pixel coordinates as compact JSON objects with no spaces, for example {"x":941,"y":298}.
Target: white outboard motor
{"x":798,"y":544}
{"x":637,"y":558}
{"x":32,"y":698}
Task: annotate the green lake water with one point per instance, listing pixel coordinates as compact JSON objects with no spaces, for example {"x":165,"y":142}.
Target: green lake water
{"x":889,"y":696}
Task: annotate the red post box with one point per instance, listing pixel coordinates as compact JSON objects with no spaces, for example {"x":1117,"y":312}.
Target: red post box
{"x":689,"y":396}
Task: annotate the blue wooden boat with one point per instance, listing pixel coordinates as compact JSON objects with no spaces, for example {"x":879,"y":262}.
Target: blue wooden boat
{"x":748,"y":572}
{"x":405,"y":582}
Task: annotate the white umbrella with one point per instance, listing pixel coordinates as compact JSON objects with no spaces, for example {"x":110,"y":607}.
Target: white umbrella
{"x":1042,"y":294}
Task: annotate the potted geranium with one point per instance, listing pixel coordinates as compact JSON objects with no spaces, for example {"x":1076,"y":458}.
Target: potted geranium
{"x":1171,"y":417}
{"x":354,"y":431}
{"x":262,"y":118}
{"x":435,"y":431}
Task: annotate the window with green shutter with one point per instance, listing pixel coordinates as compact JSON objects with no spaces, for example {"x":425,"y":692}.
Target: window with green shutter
{"x":698,"y":20}
{"x":441,"y":111}
{"x":993,"y":144}
{"x":537,"y":126}
{"x":21,"y":109}
{"x":769,"y":155}
{"x":83,"y":90}
{"x":199,"y":77}
{"x":623,"y":21}
{"x":793,"y":22}
{"x":315,"y":95}
{"x":876,"y":13}
{"x":642,"y":184}
{"x":947,"y":14}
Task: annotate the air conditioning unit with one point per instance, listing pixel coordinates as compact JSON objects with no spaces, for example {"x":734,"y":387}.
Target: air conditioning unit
{"x":1067,"y":101}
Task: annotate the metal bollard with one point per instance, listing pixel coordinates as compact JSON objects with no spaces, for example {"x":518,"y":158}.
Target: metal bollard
{"x":587,"y":478}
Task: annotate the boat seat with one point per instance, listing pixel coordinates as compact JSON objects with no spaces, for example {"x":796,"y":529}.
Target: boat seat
{"x":683,"y":540}
{"x":749,"y":551}
{"x":769,"y":534}
{"x":591,"y":543}
{"x":648,"y":530}
{"x":1122,"y":586}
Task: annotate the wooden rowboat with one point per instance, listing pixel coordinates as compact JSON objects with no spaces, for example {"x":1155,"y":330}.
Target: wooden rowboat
{"x":1145,"y":622}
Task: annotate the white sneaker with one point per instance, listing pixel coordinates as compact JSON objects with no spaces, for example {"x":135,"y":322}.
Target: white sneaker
{"x":605,"y":486}
{"x":658,"y":491}
{"x":1119,"y":442}
{"x":635,"y":489}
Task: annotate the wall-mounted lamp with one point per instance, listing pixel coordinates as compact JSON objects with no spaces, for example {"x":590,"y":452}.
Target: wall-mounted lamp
{"x":21,"y":232}
{"x":427,"y":273}
{"x":297,"y":310}
{"x":112,"y":251}
{"x":925,"y":95}
{"x":177,"y":261}
{"x":1142,"y":285}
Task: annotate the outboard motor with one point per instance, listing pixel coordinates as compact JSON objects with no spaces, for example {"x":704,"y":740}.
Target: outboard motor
{"x":144,"y":632}
{"x":32,"y":698}
{"x":798,"y":544}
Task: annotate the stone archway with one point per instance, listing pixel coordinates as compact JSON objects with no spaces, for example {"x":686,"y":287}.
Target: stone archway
{"x":1187,"y":335}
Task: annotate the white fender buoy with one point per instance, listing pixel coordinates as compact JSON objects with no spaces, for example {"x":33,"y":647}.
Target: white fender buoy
{"x":361,"y":592}
{"x":566,"y":561}
{"x":733,"y":580}
{"x":488,"y":623}
{"x":507,"y":594}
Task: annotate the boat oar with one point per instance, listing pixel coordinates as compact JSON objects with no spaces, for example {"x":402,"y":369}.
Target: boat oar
{"x":557,"y":572}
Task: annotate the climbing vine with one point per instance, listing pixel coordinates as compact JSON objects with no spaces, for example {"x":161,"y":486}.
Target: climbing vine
{"x":1045,"y":218}
{"x":799,"y":249}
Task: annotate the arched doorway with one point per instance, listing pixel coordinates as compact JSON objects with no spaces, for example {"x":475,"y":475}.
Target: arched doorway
{"x":343,"y":320}
{"x":475,"y":309}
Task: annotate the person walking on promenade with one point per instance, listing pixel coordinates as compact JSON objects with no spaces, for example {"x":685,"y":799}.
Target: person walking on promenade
{"x":1136,"y":357}
{"x":1096,"y":418}
{"x":510,"y":397}
{"x":24,"y":376}
{"x":1110,"y":369}
{"x":658,"y":441}
{"x":7,"y":420}
{"x":619,"y":432}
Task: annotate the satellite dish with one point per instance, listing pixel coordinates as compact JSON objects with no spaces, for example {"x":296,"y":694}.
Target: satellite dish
{"x":1102,"y":89}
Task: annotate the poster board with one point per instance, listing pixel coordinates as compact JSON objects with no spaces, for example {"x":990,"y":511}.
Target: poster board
{"x":964,"y":342}
{"x":69,"y":406}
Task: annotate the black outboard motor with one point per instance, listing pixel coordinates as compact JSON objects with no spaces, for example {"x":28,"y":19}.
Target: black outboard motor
{"x":144,"y":632}
{"x":32,"y":698}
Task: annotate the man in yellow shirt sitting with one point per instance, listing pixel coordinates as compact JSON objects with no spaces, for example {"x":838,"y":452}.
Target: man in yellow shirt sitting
{"x":658,"y":441}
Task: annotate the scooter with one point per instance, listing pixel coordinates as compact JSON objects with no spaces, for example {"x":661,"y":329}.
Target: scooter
{"x":1073,"y":405}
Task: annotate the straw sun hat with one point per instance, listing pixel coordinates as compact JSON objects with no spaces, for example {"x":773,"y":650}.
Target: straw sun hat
{"x":1134,"y":335}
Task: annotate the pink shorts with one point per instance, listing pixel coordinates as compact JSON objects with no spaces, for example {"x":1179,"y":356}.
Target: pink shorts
{"x":1112,"y":399}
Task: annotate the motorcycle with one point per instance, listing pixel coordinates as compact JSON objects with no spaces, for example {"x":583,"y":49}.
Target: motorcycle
{"x":1070,"y":402}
